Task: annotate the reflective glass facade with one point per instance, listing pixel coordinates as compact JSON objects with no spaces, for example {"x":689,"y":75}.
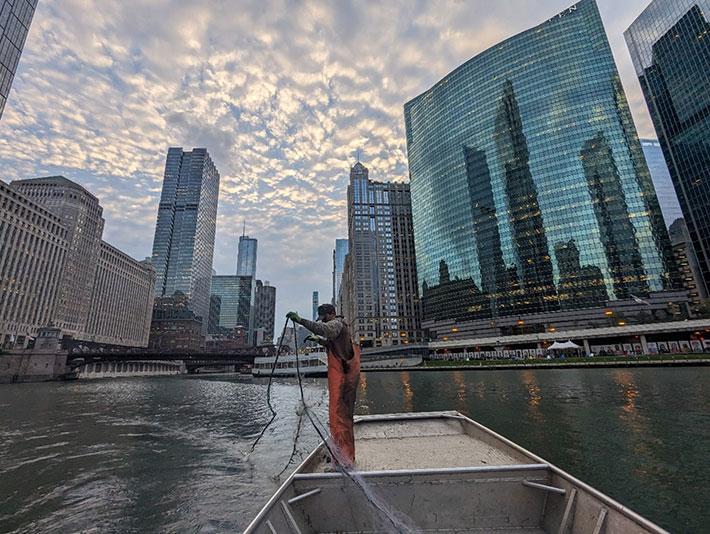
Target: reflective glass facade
{"x":341,"y":250}
{"x":184,"y":235}
{"x":530,"y":192}
{"x":246,"y":256}
{"x":670,"y":48}
{"x":226,"y":288}
{"x":15,"y":19}
{"x":245,"y":304}
{"x":665,"y":191}
{"x":314,"y":306}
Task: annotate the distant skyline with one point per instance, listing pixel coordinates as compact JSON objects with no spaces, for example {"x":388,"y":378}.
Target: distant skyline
{"x":282,"y":97}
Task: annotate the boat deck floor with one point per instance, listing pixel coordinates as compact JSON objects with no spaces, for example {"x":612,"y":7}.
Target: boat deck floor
{"x":423,"y":444}
{"x":521,"y":530}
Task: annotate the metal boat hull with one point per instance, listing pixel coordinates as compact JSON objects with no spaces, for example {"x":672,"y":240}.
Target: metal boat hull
{"x":441,"y":472}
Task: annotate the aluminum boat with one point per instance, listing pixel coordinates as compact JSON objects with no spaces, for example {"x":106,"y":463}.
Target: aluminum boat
{"x":440,"y":472}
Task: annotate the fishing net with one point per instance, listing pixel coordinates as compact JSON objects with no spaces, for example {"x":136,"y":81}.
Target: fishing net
{"x":387,"y":518}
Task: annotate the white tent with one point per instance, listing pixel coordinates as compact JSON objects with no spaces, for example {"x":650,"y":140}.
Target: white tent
{"x":569,"y":344}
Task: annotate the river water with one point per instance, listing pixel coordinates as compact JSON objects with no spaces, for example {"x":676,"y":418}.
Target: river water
{"x":172,"y":454}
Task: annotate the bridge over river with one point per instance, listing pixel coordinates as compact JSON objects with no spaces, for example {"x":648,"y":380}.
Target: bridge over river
{"x":192,"y":362}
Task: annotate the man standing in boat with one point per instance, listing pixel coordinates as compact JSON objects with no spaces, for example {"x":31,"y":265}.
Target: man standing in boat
{"x":333,"y":333}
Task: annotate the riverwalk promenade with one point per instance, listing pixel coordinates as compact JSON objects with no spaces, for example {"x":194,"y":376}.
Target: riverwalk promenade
{"x":601,"y":362}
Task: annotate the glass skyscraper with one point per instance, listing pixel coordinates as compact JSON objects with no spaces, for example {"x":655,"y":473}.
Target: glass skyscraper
{"x":184,"y":235}
{"x":246,"y":256}
{"x":665,"y":191}
{"x":670,"y":49}
{"x":15,"y":19}
{"x":227,"y":287}
{"x":245,"y":305}
{"x":339,"y":253}
{"x":530,"y":192}
{"x":314,"y":305}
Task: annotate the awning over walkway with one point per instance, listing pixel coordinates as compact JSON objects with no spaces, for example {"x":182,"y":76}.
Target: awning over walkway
{"x":569,"y":344}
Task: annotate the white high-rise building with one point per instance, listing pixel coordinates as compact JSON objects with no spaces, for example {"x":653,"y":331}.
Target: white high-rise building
{"x":34,"y":246}
{"x":82,"y":215}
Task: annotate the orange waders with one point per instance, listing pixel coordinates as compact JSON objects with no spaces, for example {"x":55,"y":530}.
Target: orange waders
{"x":342,"y":388}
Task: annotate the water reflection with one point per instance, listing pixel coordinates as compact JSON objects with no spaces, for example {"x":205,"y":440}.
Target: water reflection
{"x":534,"y":394}
{"x":362,"y":393}
{"x":460,"y":383}
{"x":407,"y":392}
{"x":629,"y":391}
{"x":634,"y":424}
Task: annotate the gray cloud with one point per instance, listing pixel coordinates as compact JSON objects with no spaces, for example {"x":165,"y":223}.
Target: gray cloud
{"x":282,"y":94}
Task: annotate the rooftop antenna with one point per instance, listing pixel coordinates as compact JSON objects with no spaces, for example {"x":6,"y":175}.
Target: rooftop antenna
{"x":244,"y":232}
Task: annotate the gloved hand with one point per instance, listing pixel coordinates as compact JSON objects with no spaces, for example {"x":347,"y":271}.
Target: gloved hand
{"x":293,"y":316}
{"x":314,"y":338}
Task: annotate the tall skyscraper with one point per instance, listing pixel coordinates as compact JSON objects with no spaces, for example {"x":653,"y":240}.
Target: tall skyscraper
{"x":265,"y":310}
{"x":339,"y":253}
{"x":15,"y":19}
{"x":245,"y":305}
{"x":665,"y":191}
{"x":315,"y":305}
{"x":82,"y":215}
{"x":670,"y":49}
{"x":519,"y":212}
{"x":213,"y":318}
{"x":226,"y":288}
{"x":246,"y":257}
{"x":381,"y":302}
{"x":184,"y":234}
{"x":246,"y":267}
{"x":688,"y":264}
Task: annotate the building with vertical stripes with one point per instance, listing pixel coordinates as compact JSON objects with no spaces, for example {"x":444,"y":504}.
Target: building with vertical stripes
{"x":56,"y":270}
{"x":122,"y":300}
{"x":34,"y":247}
{"x":82,"y":215}
{"x":381,"y":304}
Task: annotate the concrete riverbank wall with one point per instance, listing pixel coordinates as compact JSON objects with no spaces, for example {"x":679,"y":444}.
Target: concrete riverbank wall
{"x":31,"y":367}
{"x":135,"y":368}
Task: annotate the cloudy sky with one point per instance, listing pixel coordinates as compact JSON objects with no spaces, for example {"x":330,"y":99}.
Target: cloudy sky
{"x":281,"y":93}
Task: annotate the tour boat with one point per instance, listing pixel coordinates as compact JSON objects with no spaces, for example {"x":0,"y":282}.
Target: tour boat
{"x":440,"y":472}
{"x":316,"y":364}
{"x":313,"y":364}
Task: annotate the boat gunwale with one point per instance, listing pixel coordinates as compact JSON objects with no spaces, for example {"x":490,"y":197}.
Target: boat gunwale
{"x":263,"y":513}
{"x":513,"y":468}
{"x":451,"y":414}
